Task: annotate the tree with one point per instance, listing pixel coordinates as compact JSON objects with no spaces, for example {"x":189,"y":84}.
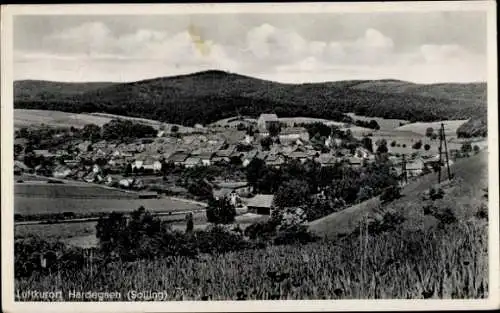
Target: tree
{"x":429,"y":132}
{"x":382,"y":146}
{"x":417,"y":145}
{"x":434,"y":136}
{"x":174,"y":128}
{"x":220,"y":211}
{"x":189,"y":222}
{"x":476,"y":148}
{"x":292,"y":193}
{"x":91,"y":132}
{"x":367,"y":143}
{"x":466,"y":147}
{"x":274,"y":129}
{"x":390,"y":193}
{"x":393,"y":143}
{"x":266,"y":143}
{"x":427,"y":147}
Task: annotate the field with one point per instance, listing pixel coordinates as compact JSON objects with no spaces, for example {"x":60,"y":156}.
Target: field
{"x":76,"y":190}
{"x":450,"y":127}
{"x":449,"y":263}
{"x":385,"y":124}
{"x":43,"y":205}
{"x":25,"y":118}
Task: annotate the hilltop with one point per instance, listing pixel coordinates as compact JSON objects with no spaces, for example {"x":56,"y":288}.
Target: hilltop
{"x":463,"y":195}
{"x":218,"y":94}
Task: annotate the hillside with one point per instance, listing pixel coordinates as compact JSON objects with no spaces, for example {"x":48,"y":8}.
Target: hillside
{"x":463,"y":195}
{"x":180,"y":99}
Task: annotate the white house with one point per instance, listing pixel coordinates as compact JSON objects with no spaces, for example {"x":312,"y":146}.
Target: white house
{"x":265,"y":121}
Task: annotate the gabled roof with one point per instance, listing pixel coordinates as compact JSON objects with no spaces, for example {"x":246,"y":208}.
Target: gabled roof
{"x":178,"y":157}
{"x":192,"y":161}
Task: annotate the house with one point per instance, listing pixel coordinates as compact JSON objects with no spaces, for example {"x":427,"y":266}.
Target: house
{"x":292,"y":134}
{"x":61,"y":171}
{"x":193,"y":161}
{"x":151,"y":164}
{"x":205,"y":158}
{"x":298,"y":155}
{"x":178,"y":157}
{"x":126,"y":182}
{"x":241,"y":188}
{"x":326,"y":159}
{"x":266,"y":121}
{"x":260,"y":204}
{"x":275,"y":160}
{"x":354,"y":162}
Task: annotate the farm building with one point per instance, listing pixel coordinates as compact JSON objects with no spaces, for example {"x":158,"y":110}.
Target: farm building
{"x":178,"y":158}
{"x":292,"y":134}
{"x":275,"y":160}
{"x":266,"y":121}
{"x":260,"y":204}
{"x":326,"y":159}
{"x":44,"y":153}
{"x":241,"y":188}
{"x":192,"y":162}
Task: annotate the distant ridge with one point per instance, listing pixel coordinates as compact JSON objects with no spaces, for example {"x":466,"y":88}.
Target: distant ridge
{"x":207,"y":96}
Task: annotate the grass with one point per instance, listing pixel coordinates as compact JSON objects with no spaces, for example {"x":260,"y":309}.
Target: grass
{"x":446,"y":263}
{"x":450,"y":127}
{"x":76,"y":190}
{"x":25,"y":118}
{"x":384,"y":123}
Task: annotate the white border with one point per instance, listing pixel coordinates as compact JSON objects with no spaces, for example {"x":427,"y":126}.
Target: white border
{"x":154,"y":9}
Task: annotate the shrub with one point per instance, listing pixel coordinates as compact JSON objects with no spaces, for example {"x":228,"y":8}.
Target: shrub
{"x":261,"y":230}
{"x":393,"y":143}
{"x":389,"y":222}
{"x":427,"y":147}
{"x":436,"y":194}
{"x":445,"y":216}
{"x":417,"y":145}
{"x":466,"y":147}
{"x":297,"y":234}
{"x":217,"y":240}
{"x":476,"y":148}
{"x":482,"y":212}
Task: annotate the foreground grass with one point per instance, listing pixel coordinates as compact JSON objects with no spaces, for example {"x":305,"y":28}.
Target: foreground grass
{"x":446,"y":263}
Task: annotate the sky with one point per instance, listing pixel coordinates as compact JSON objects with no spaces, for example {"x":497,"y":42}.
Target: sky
{"x":420,"y":47}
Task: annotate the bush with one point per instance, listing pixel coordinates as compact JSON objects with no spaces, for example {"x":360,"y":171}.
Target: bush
{"x":297,"y":234}
{"x":417,"y":145}
{"x":436,"y":194}
{"x":217,"y":240}
{"x":445,"y":216}
{"x":261,"y":230}
{"x":427,"y":147}
{"x":390,"y":222}
{"x":482,"y":212}
{"x":393,"y":143}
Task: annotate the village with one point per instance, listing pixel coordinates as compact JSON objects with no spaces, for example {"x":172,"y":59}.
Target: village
{"x":141,"y":165}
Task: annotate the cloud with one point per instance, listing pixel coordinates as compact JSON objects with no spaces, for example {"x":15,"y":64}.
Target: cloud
{"x":91,"y":51}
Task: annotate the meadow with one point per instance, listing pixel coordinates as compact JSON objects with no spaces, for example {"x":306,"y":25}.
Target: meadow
{"x":44,"y":205}
{"x":450,"y":127}
{"x":26,"y":118}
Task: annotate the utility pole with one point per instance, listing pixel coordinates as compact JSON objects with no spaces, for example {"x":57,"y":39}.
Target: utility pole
{"x":440,"y":154}
{"x":403,"y":170}
{"x":446,"y":150}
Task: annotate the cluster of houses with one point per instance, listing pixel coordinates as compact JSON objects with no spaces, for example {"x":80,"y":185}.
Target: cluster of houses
{"x":106,"y":162}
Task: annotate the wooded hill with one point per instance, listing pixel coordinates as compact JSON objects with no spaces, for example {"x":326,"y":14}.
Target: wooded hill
{"x":208,"y":96}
